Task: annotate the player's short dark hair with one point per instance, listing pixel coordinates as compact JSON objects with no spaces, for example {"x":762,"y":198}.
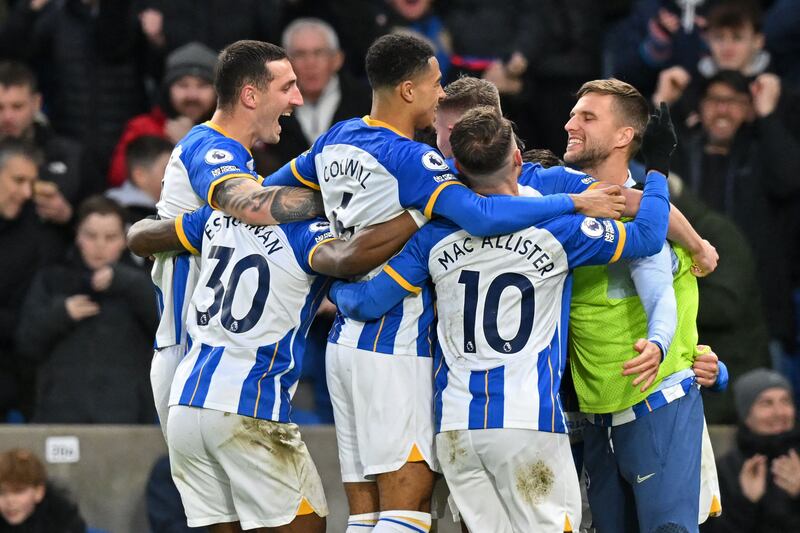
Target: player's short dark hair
{"x":467,"y":93}
{"x":242,"y":63}
{"x":734,"y":15}
{"x":15,"y":74}
{"x":144,"y":150}
{"x":21,"y":468}
{"x":543,"y":156}
{"x":481,"y":140}
{"x":732,"y":78}
{"x":395,"y":58}
{"x":100,"y":205}
{"x":11,"y":147}
{"x":629,"y":104}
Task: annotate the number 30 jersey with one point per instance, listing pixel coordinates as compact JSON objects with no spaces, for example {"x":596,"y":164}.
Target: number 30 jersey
{"x":503,"y":308}
{"x":249,"y":315}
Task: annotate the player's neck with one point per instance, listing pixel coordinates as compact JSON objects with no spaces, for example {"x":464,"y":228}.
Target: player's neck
{"x":392,"y":113}
{"x":610,"y":170}
{"x":234,"y":128}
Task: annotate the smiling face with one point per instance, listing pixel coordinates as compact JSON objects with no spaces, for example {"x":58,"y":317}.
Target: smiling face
{"x":18,"y":503}
{"x":427,"y":91}
{"x":280,"y":97}
{"x":722,"y":112}
{"x":592,"y":130}
{"x":193,"y":97}
{"x":772,"y":413}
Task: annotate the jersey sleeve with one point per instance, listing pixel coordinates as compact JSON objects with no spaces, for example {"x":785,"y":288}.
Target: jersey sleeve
{"x":555,"y":180}
{"x":300,"y":171}
{"x":217,"y":162}
{"x":190,"y":226}
{"x":590,"y":241}
{"x":422,"y":174}
{"x":404,"y":274}
{"x":305,"y":237}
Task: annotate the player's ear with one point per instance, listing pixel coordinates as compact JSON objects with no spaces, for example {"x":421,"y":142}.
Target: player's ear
{"x":406,"y":90}
{"x":517,"y":158}
{"x":248,"y":96}
{"x":624,"y":136}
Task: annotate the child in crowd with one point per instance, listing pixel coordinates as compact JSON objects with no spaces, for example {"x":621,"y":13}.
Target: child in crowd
{"x":88,"y":325}
{"x":28,"y":503}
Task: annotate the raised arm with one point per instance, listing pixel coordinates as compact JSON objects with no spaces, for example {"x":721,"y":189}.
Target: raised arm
{"x":365,"y":251}
{"x":253,"y":204}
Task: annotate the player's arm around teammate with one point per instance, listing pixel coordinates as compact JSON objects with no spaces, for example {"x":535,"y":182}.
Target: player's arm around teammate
{"x":333,"y":257}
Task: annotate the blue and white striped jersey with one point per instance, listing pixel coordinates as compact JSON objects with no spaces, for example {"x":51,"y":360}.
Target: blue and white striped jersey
{"x":369,"y":173}
{"x":249,"y":315}
{"x":203,"y":159}
{"x":503,"y":308}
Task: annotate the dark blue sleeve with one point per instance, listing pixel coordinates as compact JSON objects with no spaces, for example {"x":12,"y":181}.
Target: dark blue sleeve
{"x":497,"y":215}
{"x":190,"y":228}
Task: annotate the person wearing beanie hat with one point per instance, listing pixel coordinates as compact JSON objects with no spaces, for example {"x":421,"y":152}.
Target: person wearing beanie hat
{"x":187,"y":99}
{"x":760,"y":477}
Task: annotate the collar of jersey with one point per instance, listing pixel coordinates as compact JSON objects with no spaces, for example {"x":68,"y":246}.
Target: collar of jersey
{"x":380,"y":124}
{"x":219,"y":130}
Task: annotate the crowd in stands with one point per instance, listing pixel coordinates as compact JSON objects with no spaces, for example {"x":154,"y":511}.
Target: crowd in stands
{"x":94,"y":94}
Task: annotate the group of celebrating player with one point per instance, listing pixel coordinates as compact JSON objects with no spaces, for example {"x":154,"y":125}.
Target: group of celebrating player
{"x":450,"y":358}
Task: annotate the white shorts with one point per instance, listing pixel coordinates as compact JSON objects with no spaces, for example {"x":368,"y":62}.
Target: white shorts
{"x":510,"y":480}
{"x":710,"y":498}
{"x":232,"y":468}
{"x":383,"y":410}
{"x":162,"y":371}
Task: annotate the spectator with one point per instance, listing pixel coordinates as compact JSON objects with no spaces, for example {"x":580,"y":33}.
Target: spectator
{"x":736,"y":42}
{"x":329,"y":95}
{"x":730,"y":317}
{"x":760,"y":478}
{"x":653,"y":37}
{"x":187,"y":98}
{"x":147,"y":158}
{"x":28,"y":503}
{"x":92,"y":60}
{"x":88,"y":324}
{"x":61,"y":174}
{"x":164,"y":510}
{"x":170,"y":24}
{"x":750,"y":172}
{"x":26,"y":246}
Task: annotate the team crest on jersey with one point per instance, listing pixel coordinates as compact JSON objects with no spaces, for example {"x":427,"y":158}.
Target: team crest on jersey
{"x":433,"y":161}
{"x":215,"y":156}
{"x":587,"y":180}
{"x":592,"y":228}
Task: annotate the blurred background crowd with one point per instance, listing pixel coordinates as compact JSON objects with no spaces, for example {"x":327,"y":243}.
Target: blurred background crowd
{"x":95,"y":93}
